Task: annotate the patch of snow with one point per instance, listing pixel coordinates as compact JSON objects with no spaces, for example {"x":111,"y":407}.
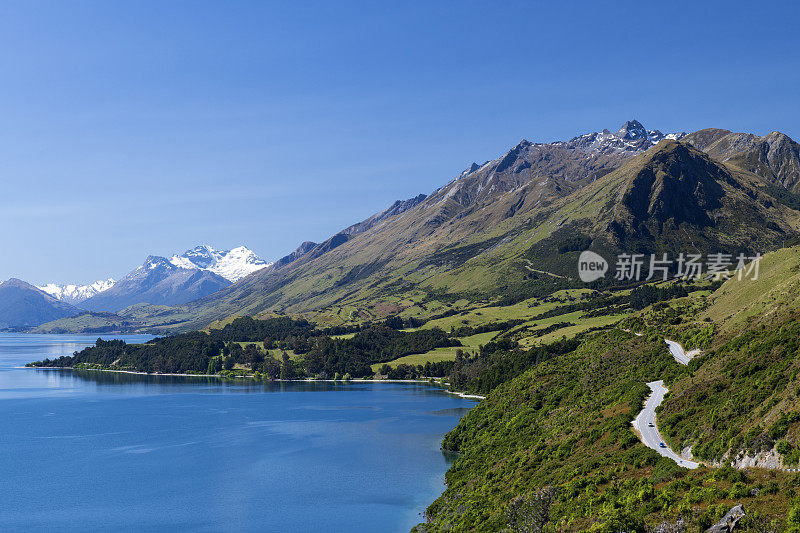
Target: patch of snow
{"x":76,"y":293}
{"x":233,"y":264}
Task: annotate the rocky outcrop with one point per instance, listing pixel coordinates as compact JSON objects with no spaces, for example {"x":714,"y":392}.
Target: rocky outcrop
{"x":728,"y":522}
{"x":775,"y":156}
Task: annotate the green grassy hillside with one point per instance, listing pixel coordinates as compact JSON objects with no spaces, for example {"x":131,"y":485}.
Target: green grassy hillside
{"x":566,"y":424}
{"x":742,"y":398}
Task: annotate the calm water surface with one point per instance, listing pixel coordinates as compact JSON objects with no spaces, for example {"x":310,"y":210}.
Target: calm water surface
{"x":116,"y":452}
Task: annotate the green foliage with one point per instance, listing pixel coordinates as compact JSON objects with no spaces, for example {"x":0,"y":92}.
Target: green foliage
{"x":733,"y":388}
{"x":645,"y":295}
{"x":375,"y":345}
{"x":429,"y":369}
{"x":468,"y":331}
{"x":793,"y":518}
{"x":577,"y":243}
{"x":499,"y":362}
{"x":200,"y":352}
{"x":565,"y":421}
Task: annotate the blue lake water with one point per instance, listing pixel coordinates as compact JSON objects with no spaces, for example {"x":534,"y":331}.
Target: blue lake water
{"x":117,"y":452}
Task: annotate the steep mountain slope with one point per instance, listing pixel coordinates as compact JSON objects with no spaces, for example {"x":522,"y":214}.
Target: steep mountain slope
{"x":233,"y":264}
{"x":677,"y":199}
{"x":23,"y":305}
{"x":311,"y":250}
{"x":563,"y":427}
{"x":464,"y":238}
{"x":299,"y":252}
{"x":75,"y":294}
{"x":775,"y":157}
{"x":158,"y":282}
{"x":741,"y":401}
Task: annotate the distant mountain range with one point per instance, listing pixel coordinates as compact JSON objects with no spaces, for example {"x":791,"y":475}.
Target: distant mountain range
{"x":494,"y":229}
{"x":191,"y":275}
{"x":232,"y":264}
{"x":159,"y":281}
{"x":75,"y":294}
{"x":486,"y":232}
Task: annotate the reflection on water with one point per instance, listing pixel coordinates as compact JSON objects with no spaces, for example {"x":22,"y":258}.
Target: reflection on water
{"x":160,"y":383}
{"x":458,"y":411}
{"x":450,"y":457}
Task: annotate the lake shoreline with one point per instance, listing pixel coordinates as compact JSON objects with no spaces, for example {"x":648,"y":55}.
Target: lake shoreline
{"x":306,"y":380}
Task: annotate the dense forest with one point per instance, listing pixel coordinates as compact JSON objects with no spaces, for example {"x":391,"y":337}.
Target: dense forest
{"x":221,"y":350}
{"x":261,"y":348}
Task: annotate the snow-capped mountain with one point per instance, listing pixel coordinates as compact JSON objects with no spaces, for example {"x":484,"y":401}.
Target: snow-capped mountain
{"x":74,"y":294}
{"x":159,"y":282}
{"x":232,"y":264}
{"x":631,"y":137}
{"x":562,"y":165}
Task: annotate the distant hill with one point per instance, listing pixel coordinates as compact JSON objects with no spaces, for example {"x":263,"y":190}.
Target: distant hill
{"x":775,"y":157}
{"x":23,"y":305}
{"x":88,"y":322}
{"x":158,"y":282}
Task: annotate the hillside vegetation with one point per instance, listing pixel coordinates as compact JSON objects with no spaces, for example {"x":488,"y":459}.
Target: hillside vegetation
{"x":563,"y":428}
{"x":565,"y":425}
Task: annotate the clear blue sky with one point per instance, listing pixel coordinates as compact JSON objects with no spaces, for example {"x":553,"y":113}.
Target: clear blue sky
{"x":136,"y":128}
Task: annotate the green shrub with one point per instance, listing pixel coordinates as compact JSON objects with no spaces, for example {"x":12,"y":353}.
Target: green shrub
{"x":793,"y":517}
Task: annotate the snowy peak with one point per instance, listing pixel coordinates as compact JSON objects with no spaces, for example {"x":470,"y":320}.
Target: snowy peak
{"x":232,"y":264}
{"x":632,"y":130}
{"x":157,"y":282}
{"x":631,"y":137}
{"x":155,"y":262}
{"x":201,"y":257}
{"x":74,"y":294}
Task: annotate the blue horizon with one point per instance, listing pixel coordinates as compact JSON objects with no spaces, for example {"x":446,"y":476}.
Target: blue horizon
{"x":149,"y":128}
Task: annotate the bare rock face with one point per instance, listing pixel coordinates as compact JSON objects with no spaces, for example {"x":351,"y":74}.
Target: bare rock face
{"x":775,"y":157}
{"x":728,"y":522}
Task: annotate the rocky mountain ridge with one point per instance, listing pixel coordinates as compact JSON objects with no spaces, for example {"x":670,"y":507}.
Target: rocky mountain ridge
{"x":157,"y":281}
{"x":75,"y":294}
{"x":636,"y":188}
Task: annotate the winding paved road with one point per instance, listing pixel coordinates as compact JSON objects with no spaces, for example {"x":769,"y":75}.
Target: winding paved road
{"x":679,"y":354}
{"x":645,"y":424}
{"x":645,"y":421}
